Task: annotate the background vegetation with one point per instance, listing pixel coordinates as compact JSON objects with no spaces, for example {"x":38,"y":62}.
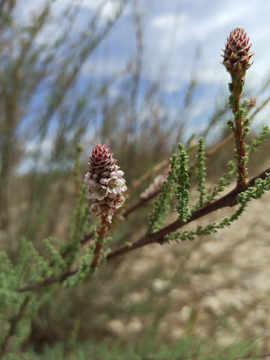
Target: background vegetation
{"x":154,"y":303}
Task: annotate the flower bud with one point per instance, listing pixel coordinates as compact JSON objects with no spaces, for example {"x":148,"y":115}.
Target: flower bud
{"x":237,"y":52}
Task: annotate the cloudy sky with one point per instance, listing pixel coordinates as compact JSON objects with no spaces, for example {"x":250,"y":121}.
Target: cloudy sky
{"x":187,"y":37}
{"x":174,"y":29}
{"x":180,"y":38}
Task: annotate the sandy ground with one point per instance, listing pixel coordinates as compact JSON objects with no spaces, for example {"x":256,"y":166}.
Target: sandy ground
{"x":217,"y":286}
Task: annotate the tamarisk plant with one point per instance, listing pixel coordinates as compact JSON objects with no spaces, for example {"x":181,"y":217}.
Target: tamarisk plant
{"x":237,"y":60}
{"x":30,"y":280}
{"x":105,"y":186}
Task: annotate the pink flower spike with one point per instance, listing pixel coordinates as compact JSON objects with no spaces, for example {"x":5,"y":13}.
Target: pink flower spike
{"x":105,"y":183}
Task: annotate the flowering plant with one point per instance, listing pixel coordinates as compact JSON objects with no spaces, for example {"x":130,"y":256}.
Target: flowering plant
{"x":83,"y":252}
{"x":105,"y":183}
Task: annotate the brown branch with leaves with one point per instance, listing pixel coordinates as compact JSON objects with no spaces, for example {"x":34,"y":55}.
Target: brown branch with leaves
{"x":228,"y":200}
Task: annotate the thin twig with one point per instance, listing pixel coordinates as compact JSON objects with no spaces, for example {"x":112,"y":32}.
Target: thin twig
{"x":260,"y":108}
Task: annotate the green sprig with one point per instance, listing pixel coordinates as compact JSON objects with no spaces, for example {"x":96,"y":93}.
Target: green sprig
{"x":181,"y":193}
{"x":78,"y":226}
{"x":223,"y":182}
{"x":57,"y":259}
{"x":200,"y":175}
{"x":161,"y":206}
{"x":84,"y":268}
{"x":243,"y":198}
{"x":256,"y":142}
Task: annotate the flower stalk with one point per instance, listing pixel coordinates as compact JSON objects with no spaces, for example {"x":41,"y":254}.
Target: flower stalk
{"x":236,"y":61}
{"x":105,"y":187}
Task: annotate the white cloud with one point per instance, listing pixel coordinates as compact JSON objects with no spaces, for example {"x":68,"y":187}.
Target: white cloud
{"x":109,"y":8}
{"x":167,"y":21}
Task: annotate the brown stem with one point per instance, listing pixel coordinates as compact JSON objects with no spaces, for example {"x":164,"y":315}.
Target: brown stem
{"x":236,"y":90}
{"x":240,"y":146}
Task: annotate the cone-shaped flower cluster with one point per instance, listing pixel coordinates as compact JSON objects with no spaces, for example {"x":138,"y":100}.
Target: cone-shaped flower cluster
{"x":105,"y":183}
{"x":237,"y":52}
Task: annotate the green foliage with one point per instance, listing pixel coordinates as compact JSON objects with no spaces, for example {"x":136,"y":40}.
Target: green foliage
{"x":181,"y":193}
{"x":84,"y":268}
{"x":8,"y":282}
{"x":78,"y":226}
{"x":30,"y":260}
{"x":223,"y":182}
{"x":55,"y":256}
{"x":161,"y":205}
{"x":243,"y":198}
{"x":256,"y":142}
{"x":147,"y":348}
{"x":200,"y":175}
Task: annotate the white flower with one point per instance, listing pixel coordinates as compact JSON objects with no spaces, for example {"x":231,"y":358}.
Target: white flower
{"x":87,"y":178}
{"x":96,"y":209}
{"x":109,"y":218}
{"x":114,"y":185}
{"x":160,"y":179}
{"x":123,"y":188}
{"x":99,"y":192}
{"x":103,"y":181}
{"x":118,"y":201}
{"x":119,"y":173}
{"x":91,"y":183}
{"x":110,"y":212}
{"x":89,"y":192}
